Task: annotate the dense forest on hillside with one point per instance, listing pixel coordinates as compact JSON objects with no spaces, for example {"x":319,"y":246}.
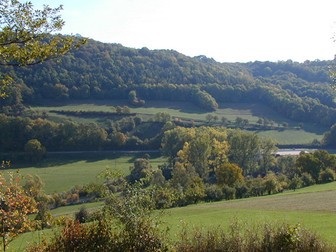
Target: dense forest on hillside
{"x":299,"y":91}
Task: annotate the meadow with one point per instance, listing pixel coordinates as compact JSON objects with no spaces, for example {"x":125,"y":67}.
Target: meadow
{"x":63,"y":171}
{"x":294,"y":134}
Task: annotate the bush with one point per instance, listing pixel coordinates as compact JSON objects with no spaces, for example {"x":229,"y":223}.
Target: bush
{"x":307,"y":179}
{"x":96,"y":236}
{"x":105,"y":234}
{"x":213,"y":193}
{"x":264,"y":237}
{"x":327,"y":176}
{"x":241,"y":190}
{"x":34,"y":151}
{"x":229,"y":192}
{"x":83,"y":215}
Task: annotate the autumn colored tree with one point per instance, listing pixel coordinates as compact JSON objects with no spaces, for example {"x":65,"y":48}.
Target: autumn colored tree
{"x":202,"y":147}
{"x":15,"y":205}
{"x":228,"y":174}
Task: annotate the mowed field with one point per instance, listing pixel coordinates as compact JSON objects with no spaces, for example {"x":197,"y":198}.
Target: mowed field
{"x":185,"y":110}
{"x":312,"y":207}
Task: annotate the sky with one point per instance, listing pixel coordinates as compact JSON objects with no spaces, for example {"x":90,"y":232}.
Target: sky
{"x":226,"y":30}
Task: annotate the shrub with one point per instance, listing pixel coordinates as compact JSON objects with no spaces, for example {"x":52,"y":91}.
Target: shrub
{"x":34,"y":151}
{"x":229,"y":192}
{"x":307,"y":179}
{"x":83,"y":215}
{"x":96,"y":236}
{"x":213,"y":193}
{"x":326,"y":176}
{"x":266,"y":237}
{"x":106,"y":234}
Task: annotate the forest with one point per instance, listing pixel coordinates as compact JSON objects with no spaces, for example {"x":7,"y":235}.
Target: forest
{"x":300,"y":91}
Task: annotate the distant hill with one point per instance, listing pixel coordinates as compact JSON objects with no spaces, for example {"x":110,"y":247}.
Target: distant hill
{"x":98,"y":70}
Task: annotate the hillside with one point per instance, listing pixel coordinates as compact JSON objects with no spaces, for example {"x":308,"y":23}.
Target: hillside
{"x":312,"y":207}
{"x":299,"y":91}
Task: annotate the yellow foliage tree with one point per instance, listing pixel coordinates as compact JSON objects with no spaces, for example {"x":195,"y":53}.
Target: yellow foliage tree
{"x":228,"y":174}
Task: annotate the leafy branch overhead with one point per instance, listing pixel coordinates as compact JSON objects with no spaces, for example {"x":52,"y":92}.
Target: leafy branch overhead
{"x":27,"y":35}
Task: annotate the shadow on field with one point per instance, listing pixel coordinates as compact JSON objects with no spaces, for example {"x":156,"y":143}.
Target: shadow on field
{"x":66,"y":158}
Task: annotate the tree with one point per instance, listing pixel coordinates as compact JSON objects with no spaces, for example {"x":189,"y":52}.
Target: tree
{"x":267,"y":154}
{"x":82,"y":215}
{"x":229,"y":174}
{"x":132,"y":96}
{"x":271,"y":183}
{"x":173,"y":141}
{"x":34,"y":150}
{"x":141,"y":170}
{"x":296,"y":182}
{"x":198,"y":153}
{"x":162,"y":117}
{"x":33,"y":186}
{"x":209,"y":118}
{"x":327,"y":176}
{"x":15,"y":205}
{"x":205,"y":150}
{"x":25,"y":36}
{"x":241,"y":123}
{"x":43,"y":217}
{"x":286,"y":165}
{"x":224,"y":120}
{"x":187,"y":182}
{"x":244,"y":150}
{"x":204,"y":100}
{"x":307,"y":162}
{"x":134,"y":100}
{"x":314,"y":163}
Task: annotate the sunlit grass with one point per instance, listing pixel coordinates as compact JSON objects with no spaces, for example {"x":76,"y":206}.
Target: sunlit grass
{"x":62,"y":173}
{"x":312,"y":207}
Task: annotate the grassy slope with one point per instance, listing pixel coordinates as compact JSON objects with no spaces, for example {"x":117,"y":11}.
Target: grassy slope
{"x":231,"y":111}
{"x":313,"y":207}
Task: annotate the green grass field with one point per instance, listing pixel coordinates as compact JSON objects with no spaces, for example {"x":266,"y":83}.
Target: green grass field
{"x":313,"y":207}
{"x":61,"y":173}
{"x":249,"y":111}
{"x":185,"y":110}
{"x":291,"y":136}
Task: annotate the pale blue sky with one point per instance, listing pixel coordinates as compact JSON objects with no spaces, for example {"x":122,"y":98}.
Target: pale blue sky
{"x":226,"y":30}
